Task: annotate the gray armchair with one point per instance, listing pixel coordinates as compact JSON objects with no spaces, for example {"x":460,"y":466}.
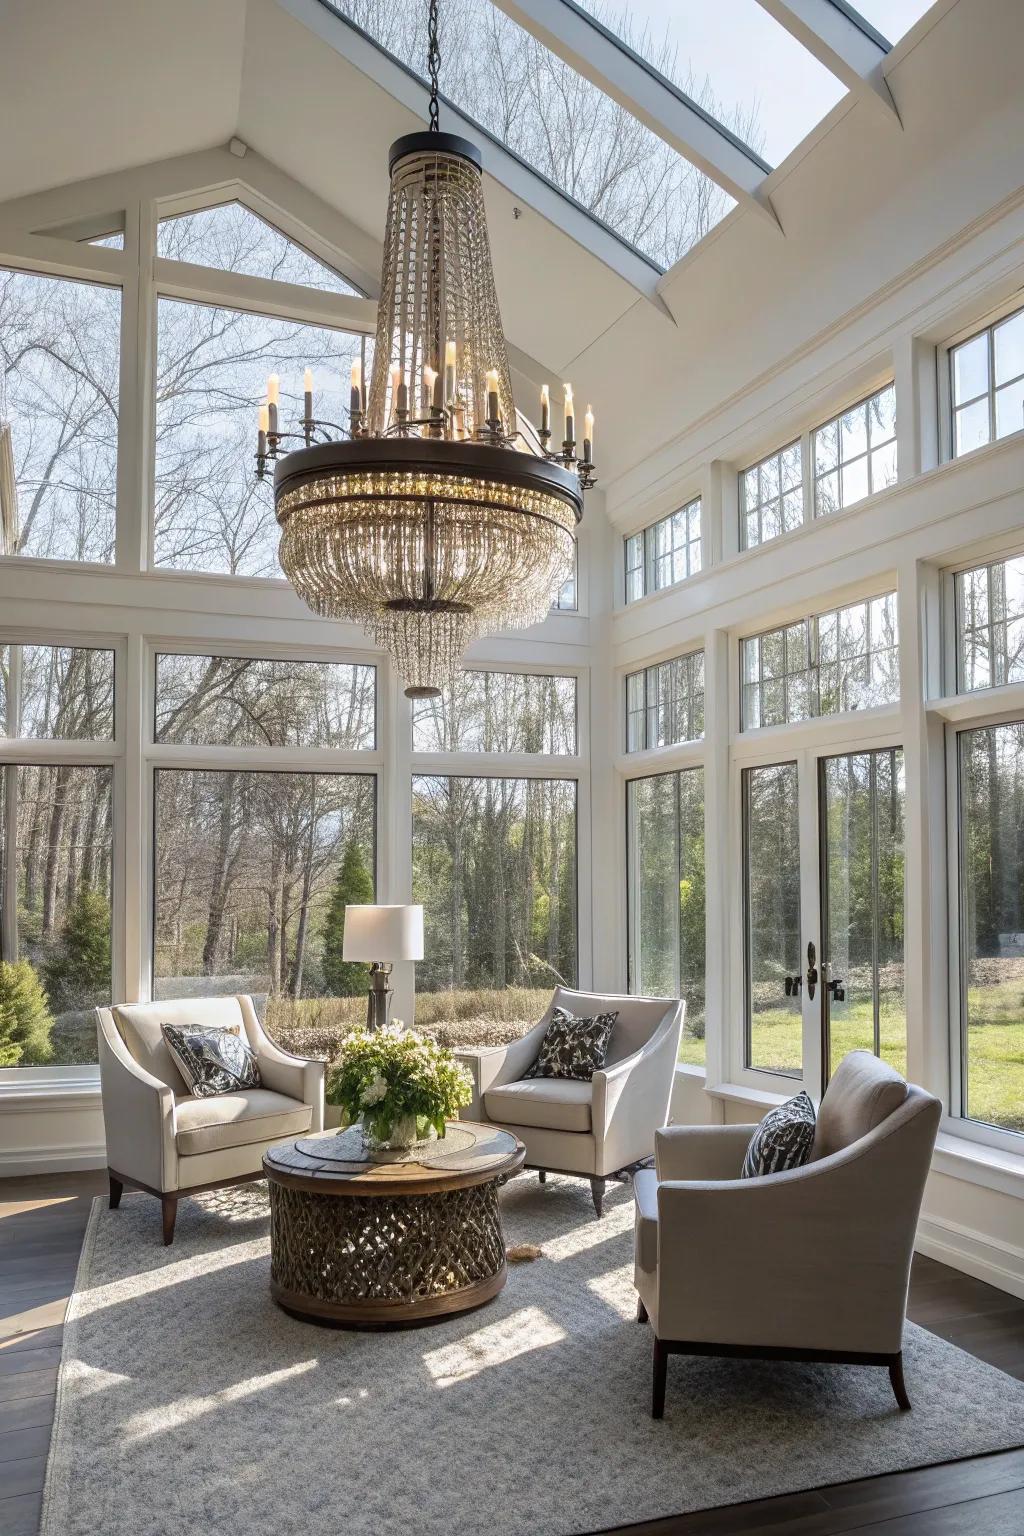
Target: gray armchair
{"x":594,"y":1129}
{"x":809,"y":1264}
{"x":162,"y":1139}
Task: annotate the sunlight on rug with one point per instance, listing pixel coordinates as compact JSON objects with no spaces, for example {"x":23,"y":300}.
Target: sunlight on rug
{"x":188,"y":1402}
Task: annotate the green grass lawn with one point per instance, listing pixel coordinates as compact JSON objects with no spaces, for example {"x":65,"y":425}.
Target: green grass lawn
{"x":995,"y":1048}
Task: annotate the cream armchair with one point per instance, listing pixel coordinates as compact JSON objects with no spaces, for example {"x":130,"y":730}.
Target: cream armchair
{"x":809,"y":1264}
{"x":594,"y":1129}
{"x":163,"y":1140}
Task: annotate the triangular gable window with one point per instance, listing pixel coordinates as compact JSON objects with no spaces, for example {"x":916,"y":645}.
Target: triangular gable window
{"x":231,"y":238}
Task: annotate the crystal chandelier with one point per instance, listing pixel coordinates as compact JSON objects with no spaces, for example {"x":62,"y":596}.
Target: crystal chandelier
{"x":439,"y":516}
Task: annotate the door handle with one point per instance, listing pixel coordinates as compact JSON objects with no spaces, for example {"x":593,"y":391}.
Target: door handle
{"x":837,"y":989}
{"x":812,"y":970}
{"x":793,"y":985}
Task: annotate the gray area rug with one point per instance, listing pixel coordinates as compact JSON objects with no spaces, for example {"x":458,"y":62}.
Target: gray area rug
{"x":188,"y":1402}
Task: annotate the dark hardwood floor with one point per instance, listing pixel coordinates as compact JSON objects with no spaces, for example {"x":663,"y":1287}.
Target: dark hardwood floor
{"x":42,"y":1220}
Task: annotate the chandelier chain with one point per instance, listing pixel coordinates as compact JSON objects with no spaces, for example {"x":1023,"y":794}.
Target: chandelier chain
{"x":433,"y":63}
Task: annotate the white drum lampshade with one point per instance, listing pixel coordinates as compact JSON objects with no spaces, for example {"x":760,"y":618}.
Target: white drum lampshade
{"x":385,"y":933}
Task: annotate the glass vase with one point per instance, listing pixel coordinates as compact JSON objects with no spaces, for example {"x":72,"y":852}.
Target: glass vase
{"x":382,"y":1133}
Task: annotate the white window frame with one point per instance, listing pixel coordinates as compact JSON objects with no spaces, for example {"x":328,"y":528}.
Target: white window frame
{"x":985,"y":323}
{"x":645,"y":672}
{"x":802,"y":443}
{"x":648,"y":539}
{"x":835,"y":420}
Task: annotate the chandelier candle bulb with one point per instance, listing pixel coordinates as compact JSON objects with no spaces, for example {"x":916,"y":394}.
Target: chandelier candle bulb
{"x":429,"y":385}
{"x":545,"y":410}
{"x":273,"y":395}
{"x":588,"y":436}
{"x":355,"y":403}
{"x":570,"y":424}
{"x":396,"y":379}
{"x":449,"y":372}
{"x":403,"y":399}
{"x":307,"y":397}
{"x":264,"y":426}
{"x":492,"y":397}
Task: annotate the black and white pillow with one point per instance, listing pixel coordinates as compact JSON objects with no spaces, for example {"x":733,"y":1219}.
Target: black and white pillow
{"x":212,"y":1060}
{"x":782,"y":1140}
{"x":574,"y":1047}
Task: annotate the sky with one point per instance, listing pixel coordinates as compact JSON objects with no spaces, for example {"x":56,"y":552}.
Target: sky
{"x":750,"y":57}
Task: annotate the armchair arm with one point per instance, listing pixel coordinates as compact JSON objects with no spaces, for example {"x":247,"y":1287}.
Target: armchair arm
{"x":492,"y":1065}
{"x":295,"y":1076}
{"x":138,"y":1113}
{"x":630,"y":1099}
{"x":701,"y":1151}
{"x":814,"y":1258}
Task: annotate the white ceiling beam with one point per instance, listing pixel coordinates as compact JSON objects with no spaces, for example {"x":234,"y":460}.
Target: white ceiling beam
{"x":525,"y":184}
{"x":854,"y":53}
{"x":623,"y":75}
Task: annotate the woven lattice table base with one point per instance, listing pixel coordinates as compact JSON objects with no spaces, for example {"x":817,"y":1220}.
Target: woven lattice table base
{"x":362,"y":1260}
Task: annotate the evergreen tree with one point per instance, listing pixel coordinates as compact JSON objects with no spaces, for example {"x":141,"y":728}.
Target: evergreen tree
{"x":25,"y":1018}
{"x":81,"y":966}
{"x":352,"y":887}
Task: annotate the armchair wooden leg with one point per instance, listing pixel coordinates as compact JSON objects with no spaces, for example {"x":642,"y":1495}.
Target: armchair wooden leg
{"x":597,"y":1191}
{"x":116,"y":1191}
{"x":169,"y":1205}
{"x":641,"y":1310}
{"x":898,"y":1384}
{"x":660,"y":1369}
{"x":542,"y":1175}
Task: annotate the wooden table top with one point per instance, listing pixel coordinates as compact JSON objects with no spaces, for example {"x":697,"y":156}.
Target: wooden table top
{"x":335,"y":1162}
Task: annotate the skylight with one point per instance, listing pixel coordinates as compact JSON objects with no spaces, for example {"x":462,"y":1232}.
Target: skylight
{"x":733,"y":60}
{"x":562,"y":125}
{"x":231,"y":238}
{"x":892,"y":18}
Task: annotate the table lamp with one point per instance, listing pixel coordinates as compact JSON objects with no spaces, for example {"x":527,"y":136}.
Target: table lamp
{"x":382,"y":935}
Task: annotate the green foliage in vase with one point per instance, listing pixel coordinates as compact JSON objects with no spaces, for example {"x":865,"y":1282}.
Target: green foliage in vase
{"x":353,"y":887}
{"x":394,"y":1073}
{"x":25,"y":1018}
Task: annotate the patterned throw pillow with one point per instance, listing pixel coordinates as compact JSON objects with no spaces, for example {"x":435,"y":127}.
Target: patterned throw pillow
{"x":212,"y":1060}
{"x":574,"y":1047}
{"x":782,"y":1140}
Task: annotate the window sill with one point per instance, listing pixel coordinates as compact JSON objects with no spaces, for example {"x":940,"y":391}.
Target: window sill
{"x":739,"y":1093}
{"x":990,"y":1167}
{"x":74,"y":1088}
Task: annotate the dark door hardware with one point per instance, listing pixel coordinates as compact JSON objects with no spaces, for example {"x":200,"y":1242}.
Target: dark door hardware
{"x":812,"y":971}
{"x":793,"y":985}
{"x":837,"y":989}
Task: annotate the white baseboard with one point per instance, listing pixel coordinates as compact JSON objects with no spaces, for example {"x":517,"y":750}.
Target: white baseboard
{"x":986,"y":1258}
{"x":74,"y":1159}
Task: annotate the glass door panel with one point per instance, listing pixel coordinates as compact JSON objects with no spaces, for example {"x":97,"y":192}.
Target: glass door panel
{"x":772,"y":939}
{"x":861,"y":809}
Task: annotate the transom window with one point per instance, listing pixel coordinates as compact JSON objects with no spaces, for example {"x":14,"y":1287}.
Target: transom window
{"x":56,"y":692}
{"x":231,"y":238}
{"x":987,"y":384}
{"x":665,"y":703}
{"x":499,"y":712}
{"x":665,"y":553}
{"x":855,"y":453}
{"x":772,"y":497}
{"x":240,"y":701}
{"x":845,"y":659}
{"x":990,"y":625}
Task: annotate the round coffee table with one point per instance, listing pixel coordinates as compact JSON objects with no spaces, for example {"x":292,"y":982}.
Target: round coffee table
{"x":392,"y":1239}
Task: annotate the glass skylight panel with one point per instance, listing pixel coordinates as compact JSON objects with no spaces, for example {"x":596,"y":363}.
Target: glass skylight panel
{"x":231,"y":238}
{"x":987,"y":384}
{"x":842,"y":660}
{"x":734,"y":60}
{"x":665,"y":703}
{"x":555,"y":120}
{"x":772,"y":497}
{"x":855,"y":453}
{"x":990,"y":624}
{"x":891,"y":18}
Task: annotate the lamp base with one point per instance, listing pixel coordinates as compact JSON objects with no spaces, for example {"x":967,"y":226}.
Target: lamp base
{"x":378,"y":998}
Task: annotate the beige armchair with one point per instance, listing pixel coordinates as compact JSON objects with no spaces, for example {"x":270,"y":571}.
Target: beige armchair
{"x":163,"y":1140}
{"x":594,"y":1129}
{"x":809,"y":1264}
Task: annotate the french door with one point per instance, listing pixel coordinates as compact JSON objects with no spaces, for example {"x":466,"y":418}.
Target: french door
{"x":823,"y":903}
